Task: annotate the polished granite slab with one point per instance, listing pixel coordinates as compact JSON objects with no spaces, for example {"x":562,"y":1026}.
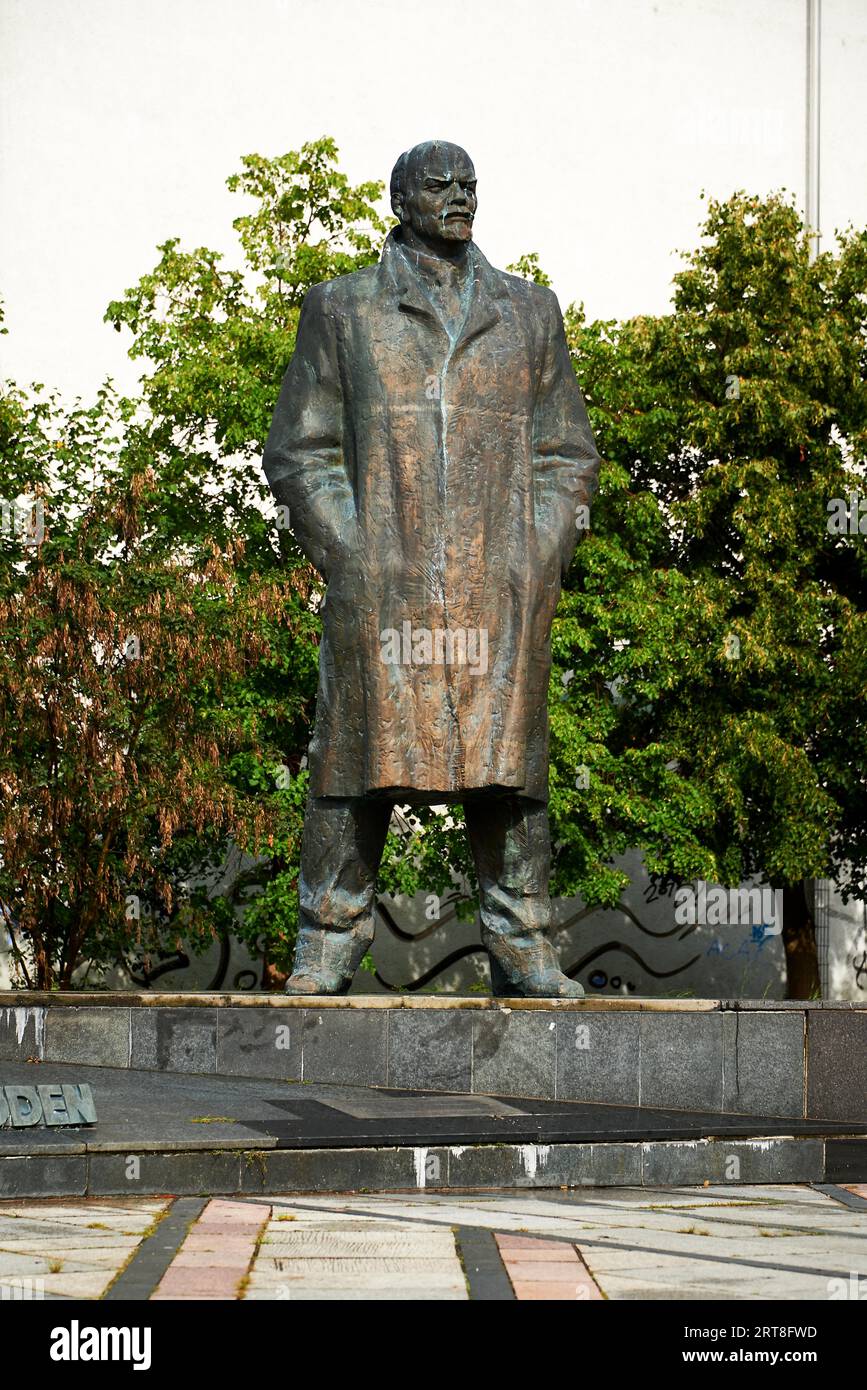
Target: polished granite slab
{"x":146,"y":1110}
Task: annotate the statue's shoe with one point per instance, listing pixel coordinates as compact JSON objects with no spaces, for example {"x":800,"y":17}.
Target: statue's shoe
{"x":317,"y":984}
{"x":549,"y":984}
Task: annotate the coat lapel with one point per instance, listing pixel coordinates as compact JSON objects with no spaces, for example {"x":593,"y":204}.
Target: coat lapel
{"x":487,"y":290}
{"x":402,"y":283}
{"x":484,"y":310}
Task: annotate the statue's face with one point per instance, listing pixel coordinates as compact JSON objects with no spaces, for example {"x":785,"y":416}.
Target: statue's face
{"x":440,"y":201}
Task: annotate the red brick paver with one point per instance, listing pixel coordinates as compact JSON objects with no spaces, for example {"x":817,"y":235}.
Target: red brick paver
{"x":546,"y":1269}
{"x":216,"y":1254}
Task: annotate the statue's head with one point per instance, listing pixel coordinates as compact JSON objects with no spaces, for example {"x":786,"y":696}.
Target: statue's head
{"x":433,"y":194}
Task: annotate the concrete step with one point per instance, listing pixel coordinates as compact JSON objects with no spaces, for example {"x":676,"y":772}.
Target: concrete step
{"x":168,"y":1132}
{"x":753,"y":1057}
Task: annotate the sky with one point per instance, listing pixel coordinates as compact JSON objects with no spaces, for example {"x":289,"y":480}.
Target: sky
{"x":594,"y":126}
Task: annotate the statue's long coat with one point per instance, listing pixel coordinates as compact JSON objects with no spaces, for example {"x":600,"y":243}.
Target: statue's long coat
{"x":434,"y":485}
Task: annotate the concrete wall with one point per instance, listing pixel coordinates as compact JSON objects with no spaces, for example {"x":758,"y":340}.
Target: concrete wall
{"x":636,"y":950}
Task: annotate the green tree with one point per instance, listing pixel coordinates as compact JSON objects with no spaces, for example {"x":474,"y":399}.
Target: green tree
{"x":215,"y":341}
{"x":124,"y":666}
{"x":709,"y":648}
{"x":715,"y":622}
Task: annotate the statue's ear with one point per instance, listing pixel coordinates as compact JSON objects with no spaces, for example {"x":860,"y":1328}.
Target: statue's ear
{"x":397,"y":206}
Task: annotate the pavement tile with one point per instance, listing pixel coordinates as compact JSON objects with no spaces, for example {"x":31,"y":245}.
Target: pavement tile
{"x":212,"y":1278}
{"x":210,"y":1240}
{"x":71,"y":1258}
{"x":90,"y":1242}
{"x":114,"y":1221}
{"x":348,"y":1258}
{"x":336,"y":1244}
{"x":84,"y":1284}
{"x":372,"y":1279}
{"x":216,"y":1254}
{"x":349,"y":1267}
{"x":542,"y":1250}
{"x":211,"y":1297}
{"x":208,"y":1259}
{"x":639,"y":1245}
{"x":80,"y":1241}
{"x":534,"y":1265}
{"x":385,"y":1294}
{"x":234,"y":1213}
{"x":205,"y":1239}
{"x":556,"y":1271}
{"x":526,"y":1290}
{"x":22,"y":1262}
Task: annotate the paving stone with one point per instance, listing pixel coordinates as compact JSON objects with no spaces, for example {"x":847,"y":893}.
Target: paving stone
{"x":153,"y":1254}
{"x":536,"y":1251}
{"x":430,"y":1051}
{"x":227,"y":1231}
{"x":88,"y":1037}
{"x":355,"y":1260}
{"x":70,"y":1238}
{"x":81,"y":1285}
{"x":598,"y":1057}
{"x":514,"y":1054}
{"x":189,"y":1258}
{"x":71,"y":1261}
{"x":535,"y":1266}
{"x":219,"y":1271}
{"x":22,"y":1262}
{"x":385,"y":1293}
{"x":260,"y":1042}
{"x":352,"y":1244}
{"x":218,"y":1213}
{"x":206,"y":1282}
{"x":560,"y":1293}
{"x":370,"y":1274}
{"x":540,"y":1270}
{"x":640,"y":1270}
{"x":233,"y":1250}
{"x":344,"y":1268}
{"x":116,"y":1219}
{"x":198,"y":1297}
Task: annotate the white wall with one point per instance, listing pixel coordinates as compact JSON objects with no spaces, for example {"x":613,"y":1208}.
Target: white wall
{"x":594,"y":125}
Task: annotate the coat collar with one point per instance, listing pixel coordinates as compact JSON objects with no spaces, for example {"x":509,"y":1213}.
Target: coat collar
{"x":405,"y":284}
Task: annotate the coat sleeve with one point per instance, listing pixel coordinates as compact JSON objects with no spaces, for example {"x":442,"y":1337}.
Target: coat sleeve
{"x":565,"y":460}
{"x":303,"y":459}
